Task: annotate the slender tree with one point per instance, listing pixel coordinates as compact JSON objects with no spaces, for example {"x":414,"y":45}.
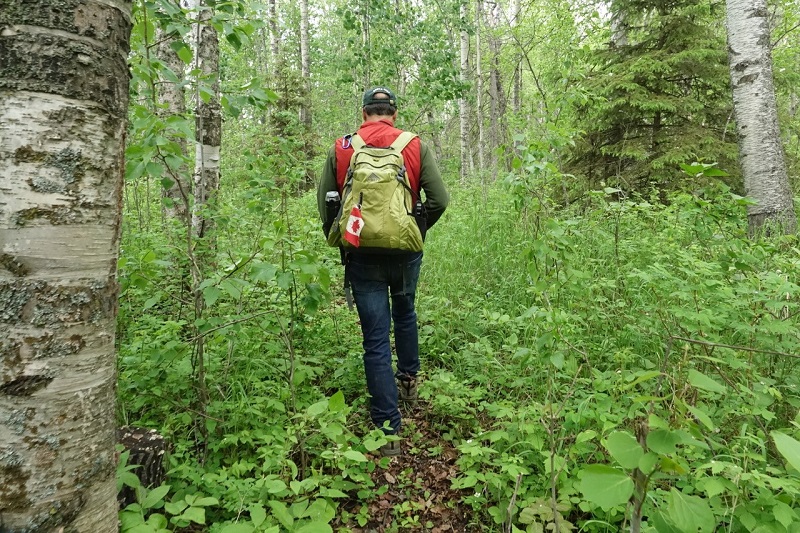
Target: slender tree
{"x":760,"y":151}
{"x":172,"y":100}
{"x":463,"y":102}
{"x":63,"y":106}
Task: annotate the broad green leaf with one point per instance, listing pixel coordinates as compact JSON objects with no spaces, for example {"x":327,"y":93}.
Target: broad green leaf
{"x":315,"y":527}
{"x":195,"y":514}
{"x":702,"y":416}
{"x":320,"y":511}
{"x":257,"y":514}
{"x":585,"y":436}
{"x":701,"y":381}
{"x":689,"y":513}
{"x":317,"y":409}
{"x":605,"y":486}
{"x":788,"y":447}
{"x":663,"y":441}
{"x":784,"y":514}
{"x":211,"y":295}
{"x":625,"y":449}
{"x":155,"y":496}
{"x":182,"y":50}
{"x":648,"y":463}
{"x":336,"y":402}
{"x":355,"y":455}
{"x":280,"y":512}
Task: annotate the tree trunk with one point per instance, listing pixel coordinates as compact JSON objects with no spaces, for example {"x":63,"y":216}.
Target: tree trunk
{"x":496,"y":105}
{"x":479,"y":87}
{"x":760,"y":151}
{"x":305,"y":66}
{"x":208,"y":124}
{"x":172,"y":95}
{"x":63,"y":108}
{"x":463,"y":106}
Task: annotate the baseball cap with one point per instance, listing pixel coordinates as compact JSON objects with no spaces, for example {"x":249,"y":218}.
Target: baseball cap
{"x":369,"y":96}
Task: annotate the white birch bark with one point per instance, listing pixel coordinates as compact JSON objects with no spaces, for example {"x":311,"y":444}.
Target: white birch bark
{"x":208,"y":122}
{"x":172,"y":95}
{"x":760,"y":151}
{"x":479,"y":86}
{"x":63,"y":105}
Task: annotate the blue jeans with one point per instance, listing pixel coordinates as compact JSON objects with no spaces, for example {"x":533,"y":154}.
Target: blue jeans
{"x":374,"y":278}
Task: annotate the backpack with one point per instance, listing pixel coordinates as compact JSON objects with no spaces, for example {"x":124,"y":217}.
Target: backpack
{"x":378,"y":207}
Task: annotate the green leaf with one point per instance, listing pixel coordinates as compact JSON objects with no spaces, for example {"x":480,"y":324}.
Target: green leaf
{"x":689,"y":513}
{"x":648,"y":463}
{"x":195,"y":514}
{"x":784,"y":514}
{"x":257,"y":514}
{"x":605,"y":486}
{"x":702,"y":416}
{"x":155,"y":496}
{"x":585,"y":436}
{"x":336,"y":402}
{"x":211,"y":295}
{"x":663,"y":441}
{"x":625,"y":449}
{"x":701,"y":381}
{"x":355,"y":455}
{"x":788,"y":447}
{"x":317,"y":409}
{"x":280,"y":512}
{"x":183,"y":51}
{"x":314,"y":527}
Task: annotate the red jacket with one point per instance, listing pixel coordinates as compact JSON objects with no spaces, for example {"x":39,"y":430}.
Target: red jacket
{"x":379,"y":133}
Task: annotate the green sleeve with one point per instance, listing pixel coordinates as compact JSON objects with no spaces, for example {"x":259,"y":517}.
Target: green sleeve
{"x":430,"y":180}
{"x":327,"y":182}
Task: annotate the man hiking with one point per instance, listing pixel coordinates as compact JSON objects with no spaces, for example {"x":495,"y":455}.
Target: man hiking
{"x":379,"y":173}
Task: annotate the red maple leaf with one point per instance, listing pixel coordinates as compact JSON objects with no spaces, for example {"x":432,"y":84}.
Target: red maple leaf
{"x":356,"y":225}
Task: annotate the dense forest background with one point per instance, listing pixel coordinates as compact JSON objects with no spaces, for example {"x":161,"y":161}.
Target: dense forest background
{"x":604,"y":347}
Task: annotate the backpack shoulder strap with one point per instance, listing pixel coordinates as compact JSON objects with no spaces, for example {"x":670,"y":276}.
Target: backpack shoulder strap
{"x":357,"y":142}
{"x":402,"y":140}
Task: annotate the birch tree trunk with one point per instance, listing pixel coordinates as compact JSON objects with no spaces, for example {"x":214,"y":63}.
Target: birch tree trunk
{"x":463,"y":106}
{"x":63,"y":105}
{"x":479,"y":86}
{"x":173,"y":96}
{"x":516,"y":97}
{"x":760,"y":151}
{"x":208,"y":122}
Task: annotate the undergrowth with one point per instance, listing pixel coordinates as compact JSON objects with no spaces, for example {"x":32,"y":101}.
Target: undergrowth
{"x":616,"y":364}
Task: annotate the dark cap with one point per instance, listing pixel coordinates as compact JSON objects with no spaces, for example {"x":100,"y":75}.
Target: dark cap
{"x":369,"y":96}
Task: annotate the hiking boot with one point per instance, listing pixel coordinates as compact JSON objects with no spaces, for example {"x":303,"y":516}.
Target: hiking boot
{"x":391,"y":449}
{"x":407,"y":389}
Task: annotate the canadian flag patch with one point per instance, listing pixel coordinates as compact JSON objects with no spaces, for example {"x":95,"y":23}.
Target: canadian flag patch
{"x":354,"y":226}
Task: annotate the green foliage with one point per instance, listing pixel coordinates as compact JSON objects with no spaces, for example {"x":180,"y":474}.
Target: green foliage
{"x":659,"y":97}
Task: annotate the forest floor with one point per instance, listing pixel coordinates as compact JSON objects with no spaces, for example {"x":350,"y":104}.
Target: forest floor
{"x":413,"y":493}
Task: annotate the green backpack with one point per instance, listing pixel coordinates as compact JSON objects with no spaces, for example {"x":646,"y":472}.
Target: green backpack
{"x":378,"y":209}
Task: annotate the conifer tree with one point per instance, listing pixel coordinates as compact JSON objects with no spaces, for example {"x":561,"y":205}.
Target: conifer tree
{"x":661,"y":96}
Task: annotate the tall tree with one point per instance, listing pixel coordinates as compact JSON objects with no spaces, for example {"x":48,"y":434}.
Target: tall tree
{"x":172,"y":101}
{"x":760,"y":151}
{"x":305,"y":66}
{"x":660,"y":97}
{"x":481,"y":148}
{"x":463,"y":102}
{"x":63,"y":108}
